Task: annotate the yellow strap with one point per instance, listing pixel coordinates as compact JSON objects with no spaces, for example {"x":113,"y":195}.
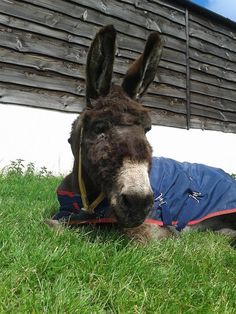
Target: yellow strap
{"x":96,"y":202}
{"x":86,"y":206}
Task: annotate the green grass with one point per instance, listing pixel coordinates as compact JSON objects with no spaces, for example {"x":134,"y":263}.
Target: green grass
{"x":96,"y":271}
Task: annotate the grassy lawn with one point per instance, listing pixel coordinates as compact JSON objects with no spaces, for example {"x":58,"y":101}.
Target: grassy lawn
{"x":96,"y":271}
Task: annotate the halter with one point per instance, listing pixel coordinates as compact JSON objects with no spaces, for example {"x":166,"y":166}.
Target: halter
{"x":86,"y":206}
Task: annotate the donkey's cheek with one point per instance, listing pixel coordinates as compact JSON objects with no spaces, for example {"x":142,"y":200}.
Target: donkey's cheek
{"x":97,"y":152}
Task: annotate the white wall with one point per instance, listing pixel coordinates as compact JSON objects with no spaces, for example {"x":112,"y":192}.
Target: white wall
{"x":40,"y":136}
{"x":35,"y":135}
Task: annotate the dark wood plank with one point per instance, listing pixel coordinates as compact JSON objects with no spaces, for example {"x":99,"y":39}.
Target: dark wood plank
{"x":165,"y":60}
{"x":217,"y":39}
{"x":213,"y":70}
{"x":42,"y":63}
{"x":166,"y":118}
{"x":89,"y":15}
{"x":171,"y":14}
{"x":212,"y":113}
{"x":16,"y":23}
{"x":174,"y":43}
{"x":167,"y":90}
{"x":210,"y":59}
{"x":213,"y":102}
{"x":32,"y":97}
{"x":171,"y":77}
{"x":128,"y":13}
{"x":173,"y":66}
{"x":178,"y":106}
{"x":48,"y":18}
{"x":212,"y":80}
{"x":174,"y":56}
{"x":213,"y":91}
{"x":170,"y":104}
{"x":46,"y":80}
{"x":209,"y":48}
{"x":170,"y":4}
{"x":211,"y":124}
{"x":213,"y":25}
{"x":24,"y":42}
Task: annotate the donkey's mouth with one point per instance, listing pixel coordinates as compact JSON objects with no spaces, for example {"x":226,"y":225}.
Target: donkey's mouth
{"x":128,"y":216}
{"x":128,"y":221}
{"x":130,"y":213}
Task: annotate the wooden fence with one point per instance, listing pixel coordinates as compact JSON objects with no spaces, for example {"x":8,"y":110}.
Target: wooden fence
{"x":44,"y":43}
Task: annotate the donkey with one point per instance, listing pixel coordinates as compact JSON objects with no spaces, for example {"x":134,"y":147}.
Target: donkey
{"x":114,"y":177}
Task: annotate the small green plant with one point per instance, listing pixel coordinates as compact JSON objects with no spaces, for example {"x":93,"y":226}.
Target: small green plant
{"x":233,"y":175}
{"x":44,"y":172}
{"x":30,"y":169}
{"x":16,"y":167}
{"x":19,"y":168}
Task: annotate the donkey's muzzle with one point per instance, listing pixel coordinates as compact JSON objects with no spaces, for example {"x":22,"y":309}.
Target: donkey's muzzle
{"x":135,"y":208}
{"x":137,"y":203}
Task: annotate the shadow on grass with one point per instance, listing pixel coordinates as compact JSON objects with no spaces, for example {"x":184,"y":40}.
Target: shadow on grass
{"x":102,"y":233}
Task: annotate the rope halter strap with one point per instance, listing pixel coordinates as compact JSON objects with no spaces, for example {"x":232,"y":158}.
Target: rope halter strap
{"x":89,"y":208}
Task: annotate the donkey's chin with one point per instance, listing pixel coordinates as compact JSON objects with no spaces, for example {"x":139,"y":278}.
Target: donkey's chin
{"x":130,"y":224}
{"x":127,"y":221}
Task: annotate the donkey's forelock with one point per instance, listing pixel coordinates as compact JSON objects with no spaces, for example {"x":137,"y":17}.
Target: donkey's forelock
{"x":114,"y":109}
{"x":115,"y":153}
{"x":118,"y":109}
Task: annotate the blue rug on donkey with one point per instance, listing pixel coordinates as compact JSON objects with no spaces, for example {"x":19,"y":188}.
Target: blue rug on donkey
{"x":184,"y":194}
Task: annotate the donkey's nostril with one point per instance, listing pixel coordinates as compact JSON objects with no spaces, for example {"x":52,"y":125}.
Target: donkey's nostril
{"x":127,"y":200}
{"x":136,"y":202}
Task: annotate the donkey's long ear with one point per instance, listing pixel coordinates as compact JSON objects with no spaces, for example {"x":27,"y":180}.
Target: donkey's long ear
{"x":100,"y":63}
{"x":142,"y":72}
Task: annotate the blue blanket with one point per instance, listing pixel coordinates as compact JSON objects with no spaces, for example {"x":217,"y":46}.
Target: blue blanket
{"x":184,"y":194}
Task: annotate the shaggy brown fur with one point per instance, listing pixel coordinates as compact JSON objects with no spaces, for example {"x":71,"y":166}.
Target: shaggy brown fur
{"x":114,"y":128}
{"x":104,"y":147}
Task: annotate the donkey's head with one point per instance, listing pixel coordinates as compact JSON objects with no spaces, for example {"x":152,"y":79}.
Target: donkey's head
{"x":115,"y":154}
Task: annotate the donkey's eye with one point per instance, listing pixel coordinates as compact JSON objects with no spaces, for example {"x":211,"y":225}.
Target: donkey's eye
{"x":99,"y":128}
